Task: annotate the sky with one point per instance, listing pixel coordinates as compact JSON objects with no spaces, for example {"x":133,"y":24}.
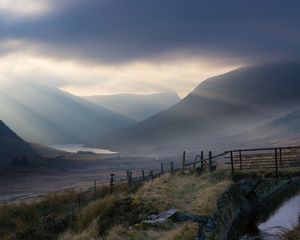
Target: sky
{"x":91,"y":47}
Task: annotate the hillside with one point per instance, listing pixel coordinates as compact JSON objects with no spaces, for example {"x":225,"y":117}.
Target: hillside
{"x":221,"y":106}
{"x":282,"y":131}
{"x":44,"y":114}
{"x":138,"y":107}
{"x":46,"y":151}
{"x":12,"y":145}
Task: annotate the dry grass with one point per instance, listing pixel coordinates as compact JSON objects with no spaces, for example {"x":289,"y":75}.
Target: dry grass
{"x":53,"y":214}
{"x":90,"y":233}
{"x":39,"y":219}
{"x":123,"y":209}
{"x":190,"y":192}
{"x":48,"y":218}
{"x":122,"y":233}
{"x":292,"y":235}
{"x":186,"y":231}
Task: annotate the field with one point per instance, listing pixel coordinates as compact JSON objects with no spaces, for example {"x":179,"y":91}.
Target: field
{"x":73,"y":171}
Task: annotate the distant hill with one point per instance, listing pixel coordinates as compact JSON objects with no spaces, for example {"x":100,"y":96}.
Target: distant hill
{"x":46,"y":115}
{"x":221,"y":106}
{"x":282,"y":131}
{"x":138,"y":107}
{"x":12,"y":145}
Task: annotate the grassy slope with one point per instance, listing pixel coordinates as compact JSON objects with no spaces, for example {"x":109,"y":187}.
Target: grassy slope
{"x":188,"y":193}
{"x":117,"y":216}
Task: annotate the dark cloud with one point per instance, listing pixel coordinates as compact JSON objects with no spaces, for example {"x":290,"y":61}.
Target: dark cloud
{"x":122,"y":30}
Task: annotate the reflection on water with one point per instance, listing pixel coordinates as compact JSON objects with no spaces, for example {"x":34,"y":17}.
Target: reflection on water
{"x":74,"y":148}
{"x":285,"y":217}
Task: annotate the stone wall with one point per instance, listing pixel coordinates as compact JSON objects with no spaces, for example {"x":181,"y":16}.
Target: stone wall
{"x":243,"y":202}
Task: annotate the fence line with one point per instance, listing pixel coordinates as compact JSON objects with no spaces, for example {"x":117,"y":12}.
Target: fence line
{"x":255,"y":159}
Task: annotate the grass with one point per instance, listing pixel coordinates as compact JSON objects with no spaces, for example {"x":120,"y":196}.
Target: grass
{"x":187,"y":192}
{"x":90,"y":233}
{"x":293,"y":234}
{"x":38,"y":220}
{"x":113,"y":210}
{"x":186,"y":231}
{"x":48,"y":217}
{"x":116,"y":216}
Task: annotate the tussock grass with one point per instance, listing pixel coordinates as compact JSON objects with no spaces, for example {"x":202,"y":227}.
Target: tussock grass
{"x":186,"y":231}
{"x":37,"y":220}
{"x":51,"y":215}
{"x":186,"y":192}
{"x":59,"y":213}
{"x":121,"y":233}
{"x":90,"y":233}
{"x":293,"y":234}
{"x":115,"y":209}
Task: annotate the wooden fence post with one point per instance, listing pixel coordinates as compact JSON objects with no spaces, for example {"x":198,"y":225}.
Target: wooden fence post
{"x":276,"y":163}
{"x":202,"y":158}
{"x":231,"y":161}
{"x":240,"y":156}
{"x":280,"y":156}
{"x":183,"y":162}
{"x":95,"y":189}
{"x":112,"y":178}
{"x":143,"y":174}
{"x":172,"y":167}
{"x":151,"y":175}
{"x":194,"y":165}
{"x":162,"y":168}
{"x":210,"y":161}
{"x":129,"y":178}
{"x":79,"y":203}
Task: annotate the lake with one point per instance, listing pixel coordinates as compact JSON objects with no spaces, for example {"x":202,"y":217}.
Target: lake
{"x":74,"y":148}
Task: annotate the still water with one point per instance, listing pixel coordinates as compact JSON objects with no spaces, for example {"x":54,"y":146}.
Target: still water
{"x":286,"y":217}
{"x":283,"y":219}
{"x":74,"y":148}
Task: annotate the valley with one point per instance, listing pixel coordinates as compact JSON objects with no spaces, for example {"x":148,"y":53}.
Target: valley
{"x":70,"y":172}
{"x":149,"y":120}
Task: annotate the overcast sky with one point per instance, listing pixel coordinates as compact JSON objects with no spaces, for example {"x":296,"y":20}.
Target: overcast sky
{"x":141,"y":46}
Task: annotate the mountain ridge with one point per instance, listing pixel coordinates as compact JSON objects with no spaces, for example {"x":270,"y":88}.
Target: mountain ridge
{"x":225,"y":105}
{"x":136,"y":106}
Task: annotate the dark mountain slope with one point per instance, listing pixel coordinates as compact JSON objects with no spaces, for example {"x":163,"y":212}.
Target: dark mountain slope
{"x":12,"y":145}
{"x":138,"y":107}
{"x":46,"y":115}
{"x":225,"y":105}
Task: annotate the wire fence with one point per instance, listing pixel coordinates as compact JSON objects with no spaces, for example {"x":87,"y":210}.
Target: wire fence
{"x":272,"y":159}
